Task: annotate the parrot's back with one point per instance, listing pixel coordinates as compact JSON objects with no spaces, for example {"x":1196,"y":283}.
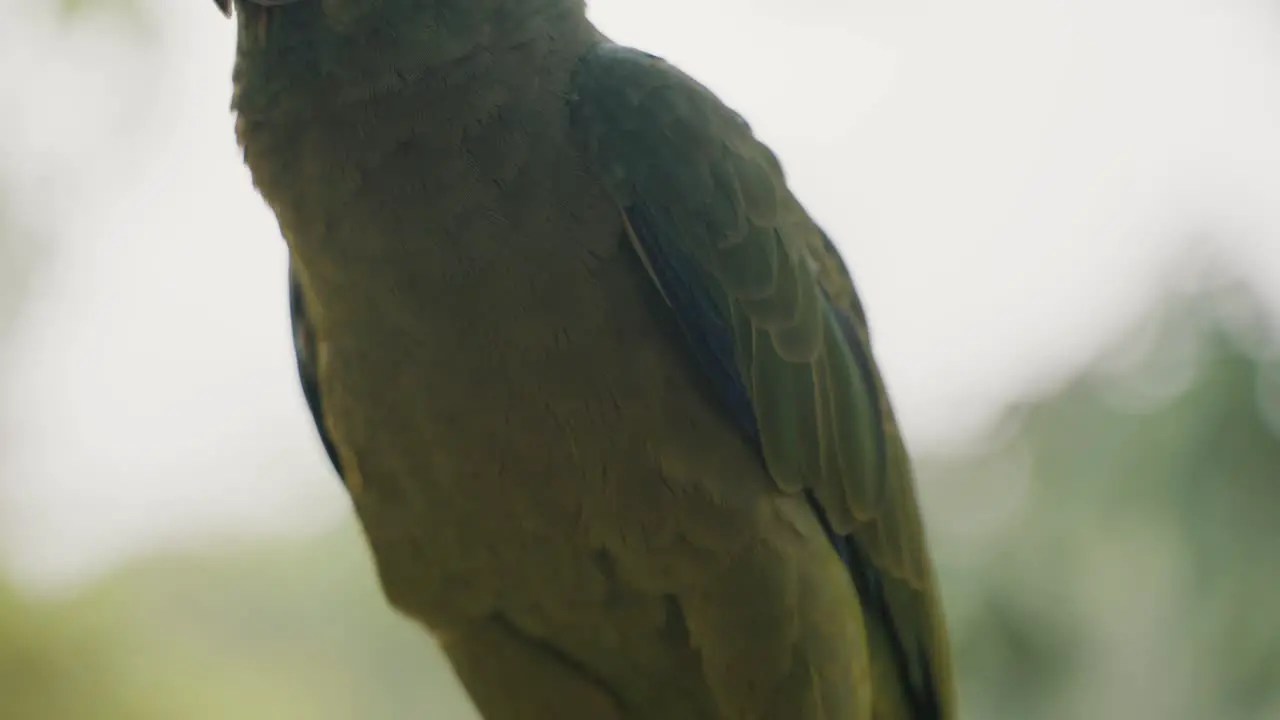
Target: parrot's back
{"x":548,"y":478}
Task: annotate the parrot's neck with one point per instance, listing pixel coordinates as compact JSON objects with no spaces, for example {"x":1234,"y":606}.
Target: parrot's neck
{"x":294,"y":60}
{"x":332,"y":153}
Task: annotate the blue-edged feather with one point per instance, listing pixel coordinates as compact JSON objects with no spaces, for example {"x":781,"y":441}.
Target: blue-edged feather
{"x":711,"y":339}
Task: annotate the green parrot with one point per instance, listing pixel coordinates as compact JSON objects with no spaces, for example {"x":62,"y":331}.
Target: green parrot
{"x":600,"y":390}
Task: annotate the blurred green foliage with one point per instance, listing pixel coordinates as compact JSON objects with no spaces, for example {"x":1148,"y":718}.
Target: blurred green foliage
{"x":1135,"y":572}
{"x":57,"y":667}
{"x":1109,"y":553}
{"x":271,"y":632}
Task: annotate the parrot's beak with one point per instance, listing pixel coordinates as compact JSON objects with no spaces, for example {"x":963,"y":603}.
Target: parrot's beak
{"x":224,"y":6}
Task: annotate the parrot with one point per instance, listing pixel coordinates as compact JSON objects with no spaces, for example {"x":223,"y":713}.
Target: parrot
{"x":600,"y":390}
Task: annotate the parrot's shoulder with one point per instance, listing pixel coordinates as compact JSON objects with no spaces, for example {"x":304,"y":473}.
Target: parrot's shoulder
{"x":639,"y":116}
{"x":635,"y":111}
{"x":617,"y":65}
{"x":631,"y":70}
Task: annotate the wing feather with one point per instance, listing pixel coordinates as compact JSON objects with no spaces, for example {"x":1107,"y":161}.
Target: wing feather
{"x":771,"y":313}
{"x":305,"y":350}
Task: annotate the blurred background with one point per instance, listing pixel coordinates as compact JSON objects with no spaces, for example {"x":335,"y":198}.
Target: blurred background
{"x":1064,"y":223}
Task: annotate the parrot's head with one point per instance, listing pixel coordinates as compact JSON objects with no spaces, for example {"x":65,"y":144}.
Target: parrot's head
{"x":296,"y":52}
{"x":322,"y":21}
{"x":379,"y":24}
{"x":352,"y":48}
{"x":336,"y":11}
{"x":226,"y":5}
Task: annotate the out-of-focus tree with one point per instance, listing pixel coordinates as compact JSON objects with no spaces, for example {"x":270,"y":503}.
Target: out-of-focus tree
{"x":54,"y":667}
{"x":287,"y":631}
{"x":1133,"y":570}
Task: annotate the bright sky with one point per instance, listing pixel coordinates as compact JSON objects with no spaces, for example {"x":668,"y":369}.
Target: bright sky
{"x":1008,"y":179}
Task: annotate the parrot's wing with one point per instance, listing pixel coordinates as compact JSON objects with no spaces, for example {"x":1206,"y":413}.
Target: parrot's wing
{"x":305,"y":349}
{"x":771,"y":314}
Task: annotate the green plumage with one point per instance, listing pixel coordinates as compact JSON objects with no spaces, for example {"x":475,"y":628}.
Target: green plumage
{"x":544,"y":472}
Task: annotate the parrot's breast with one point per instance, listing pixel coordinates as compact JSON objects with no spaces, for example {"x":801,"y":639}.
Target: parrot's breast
{"x":501,"y":379}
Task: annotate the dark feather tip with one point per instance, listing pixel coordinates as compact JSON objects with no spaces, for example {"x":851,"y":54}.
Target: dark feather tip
{"x":224,"y":6}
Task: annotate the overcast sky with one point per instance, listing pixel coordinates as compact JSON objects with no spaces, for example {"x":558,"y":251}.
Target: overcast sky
{"x":1008,"y":180}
